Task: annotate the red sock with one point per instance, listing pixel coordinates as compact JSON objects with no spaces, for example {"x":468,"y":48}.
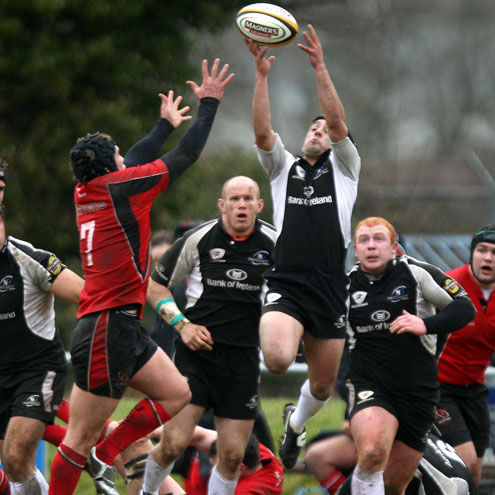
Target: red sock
{"x":63,"y":411}
{"x":333,"y":481}
{"x":66,"y":469}
{"x":143,"y":419}
{"x":54,"y":434}
{"x":4,"y":483}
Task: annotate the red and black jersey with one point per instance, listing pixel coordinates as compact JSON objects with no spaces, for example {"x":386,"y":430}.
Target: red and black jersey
{"x":114,"y":233}
{"x":467,"y":353}
{"x":268,"y":480}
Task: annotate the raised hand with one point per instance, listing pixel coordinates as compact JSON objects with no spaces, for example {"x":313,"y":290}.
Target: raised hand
{"x":313,"y":48}
{"x":169,"y":109}
{"x":263,"y":64}
{"x":213,"y":84}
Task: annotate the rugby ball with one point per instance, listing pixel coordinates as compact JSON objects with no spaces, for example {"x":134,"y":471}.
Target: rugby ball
{"x":267,"y":24}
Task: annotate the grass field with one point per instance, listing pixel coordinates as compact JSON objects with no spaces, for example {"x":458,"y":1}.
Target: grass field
{"x":330,"y":417}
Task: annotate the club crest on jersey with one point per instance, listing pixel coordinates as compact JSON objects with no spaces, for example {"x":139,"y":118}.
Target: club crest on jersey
{"x":398,"y":294}
{"x":236,"y":274}
{"x":260,"y":258}
{"x":308,"y":191}
{"x":54,"y":265}
{"x":216,"y":254}
{"x":451,"y":286}
{"x":7,"y":283}
{"x":300,"y":173}
{"x":380,"y":315}
{"x":358,"y":298}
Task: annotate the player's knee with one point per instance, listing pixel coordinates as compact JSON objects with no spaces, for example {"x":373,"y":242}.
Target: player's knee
{"x":171,"y":446}
{"x":313,"y":457}
{"x":15,"y":464}
{"x":230,"y":460}
{"x":321,"y":390}
{"x":371,"y":457}
{"x":276,"y":363}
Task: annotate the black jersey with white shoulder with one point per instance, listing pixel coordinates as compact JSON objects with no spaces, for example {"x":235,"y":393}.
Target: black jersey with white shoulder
{"x":224,"y":279}
{"x":403,"y":363}
{"x":312,"y":204}
{"x":30,"y":340}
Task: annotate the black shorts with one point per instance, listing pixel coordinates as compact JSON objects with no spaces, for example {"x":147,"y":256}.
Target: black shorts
{"x":225,"y":378}
{"x":31,"y":394}
{"x":463,"y":415}
{"x":415,"y":416}
{"x":318,"y":301}
{"x":108,"y":348}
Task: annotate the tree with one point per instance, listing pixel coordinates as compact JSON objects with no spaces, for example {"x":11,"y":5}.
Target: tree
{"x":75,"y":66}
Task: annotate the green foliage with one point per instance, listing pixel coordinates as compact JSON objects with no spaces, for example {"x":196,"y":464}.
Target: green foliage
{"x":75,"y":66}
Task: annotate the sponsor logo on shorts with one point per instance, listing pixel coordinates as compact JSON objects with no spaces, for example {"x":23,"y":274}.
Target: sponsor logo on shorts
{"x":300,"y":173}
{"x":365,"y":396}
{"x":7,"y":283}
{"x":236,"y":274}
{"x":358,"y":298}
{"x":380,"y":315}
{"x":216,"y":254}
{"x":451,"y":286}
{"x":341,"y":321}
{"x":32,"y":401}
{"x":272,"y":298}
{"x":7,"y":316}
{"x":252,"y":403}
{"x":260,"y":258}
{"x":443,"y":417}
{"x":398,"y":294}
{"x":54,"y":265}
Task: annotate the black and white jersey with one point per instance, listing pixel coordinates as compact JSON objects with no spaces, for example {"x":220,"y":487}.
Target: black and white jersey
{"x":27,"y":317}
{"x":312,"y":204}
{"x":403,"y":362}
{"x":441,"y":472}
{"x":224,"y":279}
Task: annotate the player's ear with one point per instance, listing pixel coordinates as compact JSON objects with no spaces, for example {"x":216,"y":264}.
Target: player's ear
{"x":221,"y":205}
{"x":261,"y":205}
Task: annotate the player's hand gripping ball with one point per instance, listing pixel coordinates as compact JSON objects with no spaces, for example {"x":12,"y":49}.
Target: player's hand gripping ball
{"x":267,"y":24}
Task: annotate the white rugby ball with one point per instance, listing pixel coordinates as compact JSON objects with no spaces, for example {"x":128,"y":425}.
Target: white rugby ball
{"x":267,"y":24}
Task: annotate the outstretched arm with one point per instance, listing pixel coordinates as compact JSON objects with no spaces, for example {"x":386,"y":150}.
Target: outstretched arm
{"x":330,"y":103}
{"x":262,"y":120}
{"x":171,"y":116}
{"x":192,"y":143}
